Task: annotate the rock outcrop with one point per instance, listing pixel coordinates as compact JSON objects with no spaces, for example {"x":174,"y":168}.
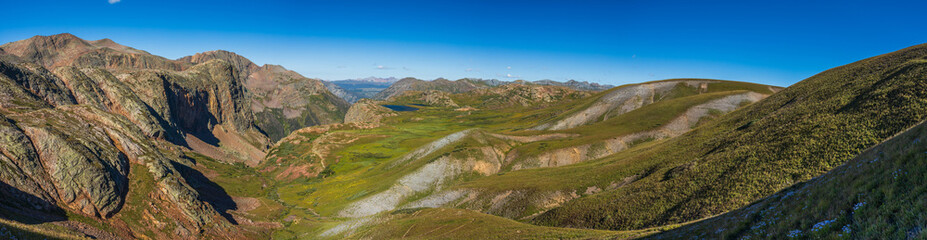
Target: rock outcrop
{"x":87,"y":126}
{"x":282,"y":100}
{"x":68,"y":50}
{"x":367,"y":111}
{"x":79,"y":157}
{"x":342,"y":93}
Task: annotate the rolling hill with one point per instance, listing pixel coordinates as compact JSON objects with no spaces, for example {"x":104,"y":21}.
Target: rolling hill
{"x":100,"y":140}
{"x":454,"y":139}
{"x":877,"y":194}
{"x":723,"y":164}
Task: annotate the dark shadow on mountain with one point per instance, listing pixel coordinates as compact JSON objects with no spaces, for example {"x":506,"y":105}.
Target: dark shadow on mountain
{"x":209,"y":191}
{"x":190,"y":111}
{"x":24,"y":207}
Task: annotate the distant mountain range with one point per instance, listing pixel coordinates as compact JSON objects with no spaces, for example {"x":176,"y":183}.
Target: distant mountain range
{"x":103,"y":141}
{"x":352,"y":90}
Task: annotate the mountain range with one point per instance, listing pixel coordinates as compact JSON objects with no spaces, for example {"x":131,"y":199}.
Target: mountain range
{"x":382,"y":88}
{"x":100,"y":140}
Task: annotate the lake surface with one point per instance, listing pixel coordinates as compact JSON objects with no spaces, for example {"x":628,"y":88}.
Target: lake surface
{"x":400,"y":108}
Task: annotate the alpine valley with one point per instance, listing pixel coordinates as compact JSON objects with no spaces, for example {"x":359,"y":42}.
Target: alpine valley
{"x":104,"y":141}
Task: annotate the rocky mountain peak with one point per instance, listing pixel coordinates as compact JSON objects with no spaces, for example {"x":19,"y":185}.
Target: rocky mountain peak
{"x":241,"y":63}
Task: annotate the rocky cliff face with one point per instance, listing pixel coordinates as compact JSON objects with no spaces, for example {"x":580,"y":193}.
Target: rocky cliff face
{"x":78,"y":158}
{"x":87,"y":126}
{"x":68,"y":140}
{"x":342,"y":93}
{"x":281,"y":100}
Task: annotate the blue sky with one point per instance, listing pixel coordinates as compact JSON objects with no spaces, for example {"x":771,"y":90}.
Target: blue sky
{"x":614,"y":42}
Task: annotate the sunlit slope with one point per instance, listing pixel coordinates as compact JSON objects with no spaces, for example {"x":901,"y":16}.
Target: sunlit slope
{"x":880,"y":194}
{"x":792,"y":136}
{"x":622,"y":99}
{"x":447,"y":223}
{"x":414,"y":158}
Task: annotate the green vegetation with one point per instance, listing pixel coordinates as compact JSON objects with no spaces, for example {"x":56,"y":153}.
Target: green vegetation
{"x":621,"y":163}
{"x":235,"y":179}
{"x":796,"y":134}
{"x":442,"y":223}
{"x":277,"y":125}
{"x":365,"y":163}
{"x":878,"y":195}
{"x":361,"y":167}
{"x":16,"y":230}
{"x":646,"y":118}
{"x":136,"y":206}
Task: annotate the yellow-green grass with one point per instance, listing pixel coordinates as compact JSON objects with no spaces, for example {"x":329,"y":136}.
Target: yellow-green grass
{"x":363,"y":166}
{"x":798,"y":133}
{"x":881,"y":194}
{"x":236,"y":179}
{"x":13,"y":229}
{"x":680,"y":90}
{"x":142,"y":184}
{"x":445,"y":223}
{"x":646,"y":118}
{"x":357,"y":174}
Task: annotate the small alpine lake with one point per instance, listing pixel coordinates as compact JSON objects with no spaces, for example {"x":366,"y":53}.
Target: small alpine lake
{"x":400,"y":108}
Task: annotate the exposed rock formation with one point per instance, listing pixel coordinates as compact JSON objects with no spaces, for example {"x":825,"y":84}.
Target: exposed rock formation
{"x":79,"y":157}
{"x":341,"y":92}
{"x":68,"y":50}
{"x":367,"y":111}
{"x":282,"y":100}
{"x":87,"y":126}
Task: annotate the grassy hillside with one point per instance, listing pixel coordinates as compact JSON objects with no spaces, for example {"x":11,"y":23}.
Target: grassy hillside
{"x":880,"y":194}
{"x":445,"y":223}
{"x":792,"y":136}
{"x":639,"y":120}
{"x":326,"y":169}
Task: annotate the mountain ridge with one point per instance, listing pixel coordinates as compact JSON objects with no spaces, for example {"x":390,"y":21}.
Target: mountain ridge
{"x":98,"y":135}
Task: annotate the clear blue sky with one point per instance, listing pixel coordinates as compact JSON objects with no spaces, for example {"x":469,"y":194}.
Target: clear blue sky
{"x":615,"y":42}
